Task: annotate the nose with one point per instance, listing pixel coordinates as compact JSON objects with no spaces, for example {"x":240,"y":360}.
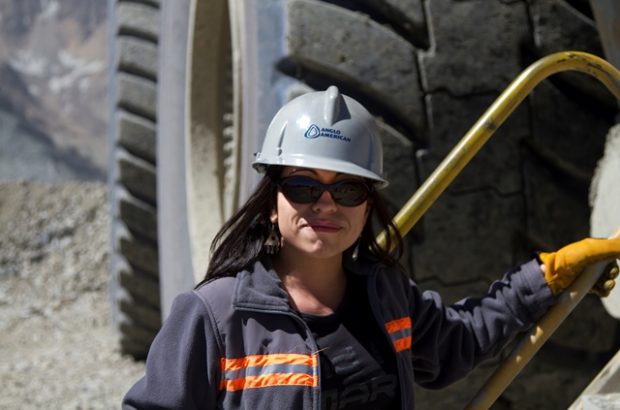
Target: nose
{"x":325,"y":203}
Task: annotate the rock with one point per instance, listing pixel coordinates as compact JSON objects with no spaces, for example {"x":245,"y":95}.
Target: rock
{"x":55,"y":328}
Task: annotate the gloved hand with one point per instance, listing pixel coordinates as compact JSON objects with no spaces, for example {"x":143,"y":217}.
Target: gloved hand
{"x":561,"y":268}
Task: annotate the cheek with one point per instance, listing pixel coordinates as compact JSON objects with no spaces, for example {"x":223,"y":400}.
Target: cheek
{"x":358,"y":218}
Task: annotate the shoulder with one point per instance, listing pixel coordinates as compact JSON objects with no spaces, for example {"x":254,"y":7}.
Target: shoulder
{"x":216,"y":294}
{"x":216,"y":288}
{"x":388,"y":280}
{"x":201,"y":311}
{"x":392,"y":274}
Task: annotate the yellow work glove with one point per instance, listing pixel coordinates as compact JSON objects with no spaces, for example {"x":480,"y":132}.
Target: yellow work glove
{"x":561,"y":268}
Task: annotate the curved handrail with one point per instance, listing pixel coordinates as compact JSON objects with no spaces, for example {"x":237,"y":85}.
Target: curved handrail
{"x":456,"y":160}
{"x":490,"y":121}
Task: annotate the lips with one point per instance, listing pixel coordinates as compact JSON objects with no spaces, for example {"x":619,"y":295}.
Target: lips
{"x":324,"y":226}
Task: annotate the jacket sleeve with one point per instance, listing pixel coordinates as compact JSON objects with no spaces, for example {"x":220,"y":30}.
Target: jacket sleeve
{"x":182,"y":368}
{"x":449,"y":341}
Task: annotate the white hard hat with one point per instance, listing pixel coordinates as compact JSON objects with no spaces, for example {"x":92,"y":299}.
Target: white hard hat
{"x":324,"y":130}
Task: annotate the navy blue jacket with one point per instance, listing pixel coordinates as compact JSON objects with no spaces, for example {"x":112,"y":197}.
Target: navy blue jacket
{"x":235,"y":343}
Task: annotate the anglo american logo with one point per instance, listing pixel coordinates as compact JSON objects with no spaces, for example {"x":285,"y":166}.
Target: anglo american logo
{"x":314,"y":131}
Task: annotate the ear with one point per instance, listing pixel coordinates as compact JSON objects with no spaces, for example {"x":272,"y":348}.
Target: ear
{"x":273,"y":217}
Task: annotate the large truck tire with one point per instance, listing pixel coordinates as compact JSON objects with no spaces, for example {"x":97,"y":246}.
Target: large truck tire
{"x":605,"y":201}
{"x":605,"y":190}
{"x":427,"y":70}
{"x":134,"y":267}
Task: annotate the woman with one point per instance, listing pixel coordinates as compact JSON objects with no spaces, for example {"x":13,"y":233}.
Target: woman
{"x":301,"y":309}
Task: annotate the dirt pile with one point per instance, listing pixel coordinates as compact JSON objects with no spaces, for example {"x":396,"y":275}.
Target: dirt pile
{"x":57,"y":345}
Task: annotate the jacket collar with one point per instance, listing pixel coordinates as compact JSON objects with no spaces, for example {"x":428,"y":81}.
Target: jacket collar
{"x":260,"y":288}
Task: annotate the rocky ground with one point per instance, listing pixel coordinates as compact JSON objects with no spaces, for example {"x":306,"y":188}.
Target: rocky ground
{"x":57,"y":346}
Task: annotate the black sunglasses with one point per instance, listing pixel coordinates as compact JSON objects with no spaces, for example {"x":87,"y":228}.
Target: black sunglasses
{"x":304,"y":190}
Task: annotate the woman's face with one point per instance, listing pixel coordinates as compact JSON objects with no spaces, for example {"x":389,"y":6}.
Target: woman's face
{"x":321,"y":229}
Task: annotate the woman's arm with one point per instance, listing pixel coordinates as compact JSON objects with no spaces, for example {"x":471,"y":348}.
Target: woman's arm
{"x":182,"y":368}
{"x":449,"y":341}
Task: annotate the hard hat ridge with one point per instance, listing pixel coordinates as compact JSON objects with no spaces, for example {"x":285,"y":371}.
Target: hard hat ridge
{"x":334,"y":103}
{"x":324,"y":130}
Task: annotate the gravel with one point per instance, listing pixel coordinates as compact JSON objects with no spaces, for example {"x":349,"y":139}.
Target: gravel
{"x":58,"y":349}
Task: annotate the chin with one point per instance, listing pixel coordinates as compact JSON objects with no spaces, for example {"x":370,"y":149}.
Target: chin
{"x":324,"y":252}
{"x":315,"y":249}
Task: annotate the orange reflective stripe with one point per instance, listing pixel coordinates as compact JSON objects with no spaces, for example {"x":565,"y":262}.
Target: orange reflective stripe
{"x":398,"y":324}
{"x":280,"y":369}
{"x":400,"y":333}
{"x":402,"y":344}
{"x":267,"y":380}
{"x":268,"y":359}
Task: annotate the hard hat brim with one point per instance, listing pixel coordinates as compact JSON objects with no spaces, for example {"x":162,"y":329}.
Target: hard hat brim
{"x":322,"y":163}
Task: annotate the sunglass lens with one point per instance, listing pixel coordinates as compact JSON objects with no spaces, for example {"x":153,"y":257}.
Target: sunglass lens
{"x":301,"y":190}
{"x":306,"y":190}
{"x":350,"y":193}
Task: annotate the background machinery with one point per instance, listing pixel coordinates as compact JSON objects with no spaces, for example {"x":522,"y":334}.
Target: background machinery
{"x":195,"y":83}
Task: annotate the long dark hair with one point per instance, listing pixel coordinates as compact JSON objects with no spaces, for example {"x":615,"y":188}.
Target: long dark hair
{"x":239,"y":243}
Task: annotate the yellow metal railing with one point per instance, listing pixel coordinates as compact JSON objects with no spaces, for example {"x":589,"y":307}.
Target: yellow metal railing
{"x":490,"y":121}
{"x":463,"y":152}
